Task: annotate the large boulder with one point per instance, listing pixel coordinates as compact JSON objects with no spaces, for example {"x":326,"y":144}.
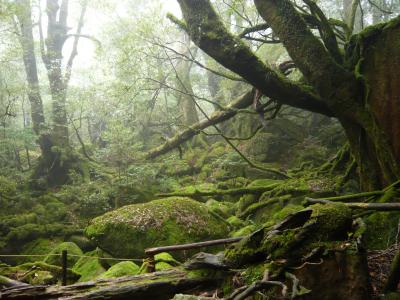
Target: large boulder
{"x":127,"y":231}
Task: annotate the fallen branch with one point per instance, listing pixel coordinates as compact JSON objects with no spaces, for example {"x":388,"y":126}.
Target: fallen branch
{"x":232,"y":192}
{"x":352,"y":196}
{"x":216,"y":118}
{"x":153,"y":251}
{"x":155,"y":286}
{"x":8,"y":282}
{"x":360,"y":205}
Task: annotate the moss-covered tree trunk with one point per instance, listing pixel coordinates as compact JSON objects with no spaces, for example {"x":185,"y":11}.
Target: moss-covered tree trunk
{"x":57,"y":159}
{"x":375,"y":143}
{"x":360,"y":89}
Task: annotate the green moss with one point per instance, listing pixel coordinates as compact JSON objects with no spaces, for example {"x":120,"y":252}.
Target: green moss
{"x":38,"y":247}
{"x":244,"y":231}
{"x":54,"y":257}
{"x":332,"y":219}
{"x":7,"y":187}
{"x":26,"y":273}
{"x":235,"y":222}
{"x":253,"y":273}
{"x":223,"y":209}
{"x":123,"y":268}
{"x":168,"y":221}
{"x":167,"y":258}
{"x":89,"y":267}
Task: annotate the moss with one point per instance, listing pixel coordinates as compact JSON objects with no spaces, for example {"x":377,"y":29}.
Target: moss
{"x":89,"y":268}
{"x":253,"y":273}
{"x":223,"y":209}
{"x":327,"y":224}
{"x":244,"y":231}
{"x":82,"y":242}
{"x":167,"y":258}
{"x":42,"y":277}
{"x":38,"y":247}
{"x":382,"y":228}
{"x":54,"y":257}
{"x":235,"y":222}
{"x":123,"y":268}
{"x":7,"y":187}
{"x":333,"y":220}
{"x":26,"y":273}
{"x":168,"y":221}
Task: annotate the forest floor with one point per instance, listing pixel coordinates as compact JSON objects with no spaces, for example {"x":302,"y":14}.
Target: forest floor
{"x":379,"y":262}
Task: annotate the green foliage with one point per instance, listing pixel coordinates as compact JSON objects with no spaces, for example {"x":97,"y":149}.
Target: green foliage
{"x":54,"y":257}
{"x":123,"y":268}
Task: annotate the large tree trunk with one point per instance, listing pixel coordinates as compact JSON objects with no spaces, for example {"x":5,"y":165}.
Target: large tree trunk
{"x":376,"y":143}
{"x":57,"y":158}
{"x":363,"y":92}
{"x":27,"y":43}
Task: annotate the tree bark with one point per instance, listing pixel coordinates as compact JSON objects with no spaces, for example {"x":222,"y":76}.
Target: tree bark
{"x":361,"y":93}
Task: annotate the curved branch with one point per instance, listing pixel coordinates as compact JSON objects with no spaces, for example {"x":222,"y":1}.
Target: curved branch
{"x":209,"y":34}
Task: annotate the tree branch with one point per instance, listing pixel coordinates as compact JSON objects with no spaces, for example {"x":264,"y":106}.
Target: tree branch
{"x":217,"y":117}
{"x":209,"y":34}
{"x":74,"y":51}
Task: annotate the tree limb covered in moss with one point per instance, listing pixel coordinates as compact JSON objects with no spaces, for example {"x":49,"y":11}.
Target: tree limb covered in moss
{"x":232,"y":192}
{"x":306,"y":50}
{"x":216,"y":118}
{"x":326,"y":32}
{"x":361,"y":205}
{"x":156,"y":286}
{"x":255,"y":28}
{"x":209,"y":34}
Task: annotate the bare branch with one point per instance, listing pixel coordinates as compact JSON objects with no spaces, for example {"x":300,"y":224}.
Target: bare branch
{"x":74,"y":51}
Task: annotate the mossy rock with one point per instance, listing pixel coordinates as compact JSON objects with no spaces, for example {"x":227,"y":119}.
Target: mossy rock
{"x":123,"y":268}
{"x":38,"y":247}
{"x":54,"y":257}
{"x":89,"y":267}
{"x":223,"y":209}
{"x":82,"y":242}
{"x":129,"y":230}
{"x":244,"y":231}
{"x":235,"y":222}
{"x":325,"y":225}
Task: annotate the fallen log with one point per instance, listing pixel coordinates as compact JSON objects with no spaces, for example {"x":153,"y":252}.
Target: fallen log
{"x":216,"y":118}
{"x":360,"y":205}
{"x":155,"y":286}
{"x":153,"y":251}
{"x":8,"y":282}
{"x":232,"y":192}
